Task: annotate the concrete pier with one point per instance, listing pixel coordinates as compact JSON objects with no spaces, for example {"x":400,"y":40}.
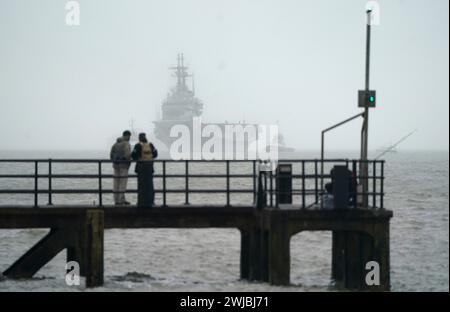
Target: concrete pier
{"x":359,"y":236}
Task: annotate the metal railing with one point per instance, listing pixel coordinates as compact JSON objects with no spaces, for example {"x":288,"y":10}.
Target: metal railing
{"x":306,"y":179}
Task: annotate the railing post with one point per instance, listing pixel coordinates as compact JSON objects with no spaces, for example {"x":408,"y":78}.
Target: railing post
{"x":50,"y":182}
{"x":164,"y":183}
{"x":36,"y":186}
{"x":261,"y":201}
{"x":382,"y":186}
{"x":254,"y":180}
{"x":303,"y":185}
{"x":277,"y":188}
{"x":355,"y":186}
{"x":186,"y":195}
{"x":316,"y":181}
{"x":271,"y":188}
{"x":100,"y":197}
{"x":265,"y":188}
{"x":374,"y":181}
{"x":228,"y":182}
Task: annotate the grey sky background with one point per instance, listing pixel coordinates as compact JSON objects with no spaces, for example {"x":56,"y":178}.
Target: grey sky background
{"x":296,"y":62}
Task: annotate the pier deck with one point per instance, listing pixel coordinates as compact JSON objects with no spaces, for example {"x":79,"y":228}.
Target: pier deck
{"x":359,"y":235}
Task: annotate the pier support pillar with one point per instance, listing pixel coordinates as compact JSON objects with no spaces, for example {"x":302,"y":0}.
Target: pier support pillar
{"x":93,"y":241}
{"x":352,"y":251}
{"x":245,"y":254}
{"x":254,"y":254}
{"x":258,"y":255}
{"x":279,"y":250}
{"x":338,"y":256}
{"x":354,"y":262}
{"x":381,"y":254}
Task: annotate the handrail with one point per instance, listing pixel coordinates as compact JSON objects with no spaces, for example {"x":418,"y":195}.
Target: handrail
{"x":305,"y":176}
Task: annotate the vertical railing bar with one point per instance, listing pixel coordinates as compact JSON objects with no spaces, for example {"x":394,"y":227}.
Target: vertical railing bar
{"x":316,"y":181}
{"x":254,"y":180}
{"x":186,"y":195}
{"x":303,"y":185}
{"x":50,"y":182}
{"x":374,"y":186}
{"x":265,"y":189}
{"x":36,"y":187}
{"x":355,"y":184}
{"x":100,"y":191}
{"x":277,"y":189}
{"x":228,"y":182}
{"x":382,"y":186}
{"x":164,"y":183}
{"x":271,"y":188}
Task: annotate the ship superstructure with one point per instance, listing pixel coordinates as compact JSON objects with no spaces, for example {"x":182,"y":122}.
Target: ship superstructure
{"x":180,"y":106}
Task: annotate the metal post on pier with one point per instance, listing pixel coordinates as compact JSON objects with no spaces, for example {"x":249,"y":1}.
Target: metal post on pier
{"x":364,"y":167}
{"x":36,"y":182}
{"x":50,"y":203}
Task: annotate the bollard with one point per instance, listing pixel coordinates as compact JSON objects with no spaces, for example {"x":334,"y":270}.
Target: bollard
{"x":284,"y":184}
{"x":340,"y":177}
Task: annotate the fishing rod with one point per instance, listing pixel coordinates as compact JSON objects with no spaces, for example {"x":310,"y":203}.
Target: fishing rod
{"x":390,"y":148}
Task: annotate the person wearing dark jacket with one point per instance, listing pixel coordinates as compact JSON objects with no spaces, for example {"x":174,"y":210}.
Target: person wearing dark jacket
{"x":144,"y":153}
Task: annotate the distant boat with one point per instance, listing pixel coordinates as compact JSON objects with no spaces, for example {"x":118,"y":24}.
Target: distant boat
{"x":280,"y":145}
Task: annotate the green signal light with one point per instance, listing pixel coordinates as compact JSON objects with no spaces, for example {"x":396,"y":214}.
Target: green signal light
{"x":372,"y":99}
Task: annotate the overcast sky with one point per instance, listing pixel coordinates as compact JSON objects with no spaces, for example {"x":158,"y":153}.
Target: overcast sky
{"x":296,"y":62}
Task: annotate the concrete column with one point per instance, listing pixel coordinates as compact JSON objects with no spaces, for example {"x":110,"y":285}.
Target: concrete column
{"x":354,"y":268}
{"x":245,"y":254}
{"x":381,"y":254}
{"x":350,"y":252}
{"x":92,"y":234}
{"x":258,"y":255}
{"x":338,"y":256}
{"x":279,"y":250}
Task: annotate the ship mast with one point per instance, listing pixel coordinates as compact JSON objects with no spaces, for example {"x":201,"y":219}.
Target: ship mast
{"x":180,"y":72}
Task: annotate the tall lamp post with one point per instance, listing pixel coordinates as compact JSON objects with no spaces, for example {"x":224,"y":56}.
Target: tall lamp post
{"x":366,"y":98}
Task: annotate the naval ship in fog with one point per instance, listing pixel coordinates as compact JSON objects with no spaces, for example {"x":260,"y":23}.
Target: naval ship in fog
{"x":182,"y":107}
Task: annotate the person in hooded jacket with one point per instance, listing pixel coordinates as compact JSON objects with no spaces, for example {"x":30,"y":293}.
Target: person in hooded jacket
{"x":121,"y":157}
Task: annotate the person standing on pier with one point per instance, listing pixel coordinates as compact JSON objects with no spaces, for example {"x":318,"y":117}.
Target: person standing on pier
{"x":121,"y":156}
{"x":144,"y":152}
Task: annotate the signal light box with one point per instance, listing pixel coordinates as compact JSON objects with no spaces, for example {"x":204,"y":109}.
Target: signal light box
{"x":367,"y":98}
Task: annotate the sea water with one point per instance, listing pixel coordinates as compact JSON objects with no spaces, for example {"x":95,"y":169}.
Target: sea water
{"x":417,"y":191}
